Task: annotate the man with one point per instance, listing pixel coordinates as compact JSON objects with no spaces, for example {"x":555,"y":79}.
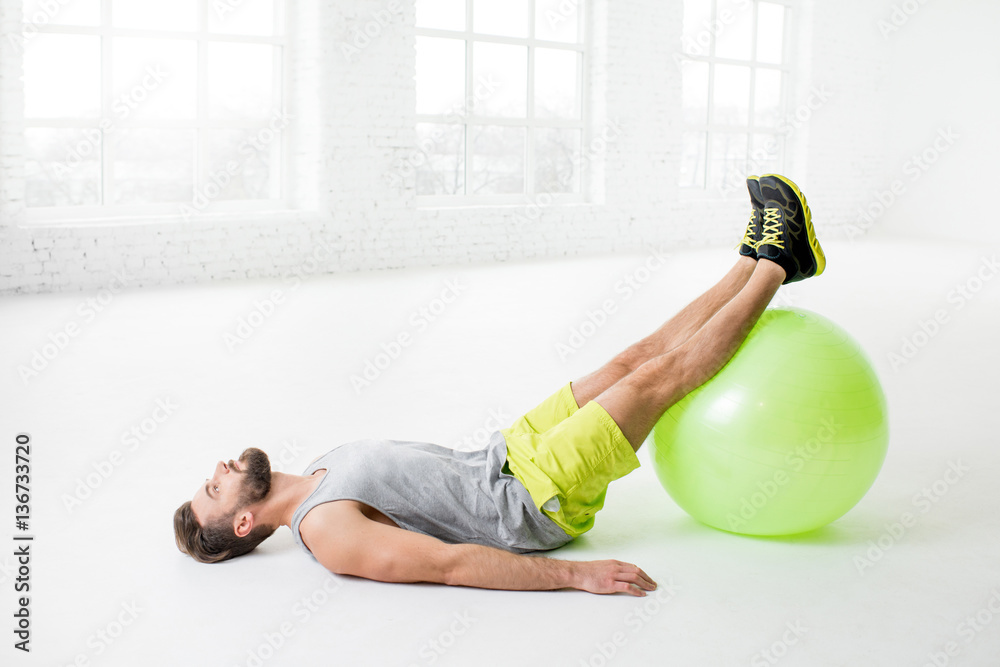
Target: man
{"x":408,"y":511}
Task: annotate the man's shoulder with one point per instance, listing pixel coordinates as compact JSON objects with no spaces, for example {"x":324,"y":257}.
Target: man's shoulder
{"x":322,"y":521}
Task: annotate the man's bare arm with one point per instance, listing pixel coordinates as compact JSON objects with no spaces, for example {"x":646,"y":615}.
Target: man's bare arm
{"x":361,"y":547}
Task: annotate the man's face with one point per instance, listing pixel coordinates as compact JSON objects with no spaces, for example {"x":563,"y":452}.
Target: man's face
{"x":233,"y":485}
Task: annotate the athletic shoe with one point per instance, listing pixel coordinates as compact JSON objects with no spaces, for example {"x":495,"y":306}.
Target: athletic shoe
{"x":787,"y":234}
{"x":748,"y":248}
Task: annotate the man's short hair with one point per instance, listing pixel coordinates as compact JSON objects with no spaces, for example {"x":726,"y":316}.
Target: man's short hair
{"x":216,"y":541}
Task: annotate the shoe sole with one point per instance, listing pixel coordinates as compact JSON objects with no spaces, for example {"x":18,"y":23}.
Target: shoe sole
{"x":813,"y":241}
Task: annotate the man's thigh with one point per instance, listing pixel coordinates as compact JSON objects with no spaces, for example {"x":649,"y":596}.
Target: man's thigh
{"x":567,"y":468}
{"x":638,"y":400}
{"x":554,"y":409}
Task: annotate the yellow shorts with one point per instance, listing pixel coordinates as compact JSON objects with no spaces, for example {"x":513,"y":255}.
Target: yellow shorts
{"x":559,"y":450}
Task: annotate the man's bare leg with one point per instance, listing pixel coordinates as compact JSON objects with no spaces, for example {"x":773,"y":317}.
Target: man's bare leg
{"x":638,"y":399}
{"x":671,"y":334}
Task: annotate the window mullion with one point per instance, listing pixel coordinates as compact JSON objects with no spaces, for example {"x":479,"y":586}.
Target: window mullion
{"x":469,"y":103}
{"x":200,"y":134}
{"x":107,"y":103}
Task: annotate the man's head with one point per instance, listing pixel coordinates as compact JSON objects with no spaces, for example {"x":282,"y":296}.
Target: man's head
{"x":221,"y":520}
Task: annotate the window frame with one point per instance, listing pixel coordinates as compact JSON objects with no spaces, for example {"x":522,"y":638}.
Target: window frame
{"x":160,"y":211}
{"x":709,"y":128}
{"x":530,"y":122}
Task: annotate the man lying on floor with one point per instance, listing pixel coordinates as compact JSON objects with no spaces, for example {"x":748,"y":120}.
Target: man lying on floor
{"x":410,"y":511}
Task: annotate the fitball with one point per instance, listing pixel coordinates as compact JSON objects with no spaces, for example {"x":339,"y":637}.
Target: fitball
{"x":786,"y":438}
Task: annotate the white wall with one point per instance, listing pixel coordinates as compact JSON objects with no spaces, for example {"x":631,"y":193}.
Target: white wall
{"x":945,"y":75}
{"x":354,"y":123}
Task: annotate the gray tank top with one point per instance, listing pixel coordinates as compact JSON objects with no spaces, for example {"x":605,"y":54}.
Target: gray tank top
{"x":455,"y":496}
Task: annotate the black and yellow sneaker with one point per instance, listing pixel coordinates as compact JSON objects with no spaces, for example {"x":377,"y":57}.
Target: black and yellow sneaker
{"x":787,"y":234}
{"x":748,"y":247}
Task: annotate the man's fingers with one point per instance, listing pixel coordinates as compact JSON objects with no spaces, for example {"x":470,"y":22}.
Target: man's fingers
{"x":641,"y":578}
{"x":625,"y":587}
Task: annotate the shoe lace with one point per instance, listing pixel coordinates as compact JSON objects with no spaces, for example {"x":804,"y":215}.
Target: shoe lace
{"x":751,"y":230}
{"x":771,"y":234}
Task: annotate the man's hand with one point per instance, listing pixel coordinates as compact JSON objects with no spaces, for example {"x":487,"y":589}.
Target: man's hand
{"x":611,"y":576}
{"x":351,"y":543}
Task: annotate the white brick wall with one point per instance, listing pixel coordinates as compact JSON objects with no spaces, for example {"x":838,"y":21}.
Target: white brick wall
{"x":353,"y":121}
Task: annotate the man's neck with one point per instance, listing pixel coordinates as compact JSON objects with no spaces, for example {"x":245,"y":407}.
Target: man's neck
{"x":287,"y":493}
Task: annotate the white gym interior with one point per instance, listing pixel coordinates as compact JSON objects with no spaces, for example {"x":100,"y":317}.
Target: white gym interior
{"x":218,"y":220}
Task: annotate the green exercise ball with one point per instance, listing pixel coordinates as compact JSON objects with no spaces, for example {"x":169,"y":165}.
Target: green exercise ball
{"x":786,"y":438}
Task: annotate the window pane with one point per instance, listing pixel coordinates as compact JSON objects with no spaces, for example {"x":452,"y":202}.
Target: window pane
{"x":62,"y":76}
{"x":766,"y":154}
{"x":770,"y":32}
{"x":500,"y":17}
{"x":441,"y":165}
{"x":731,"y":95}
{"x":441,"y":14}
{"x":238,"y":165}
{"x":557,"y":152}
{"x":154,"y":78}
{"x":735,"y":29}
{"x":558,"y":20}
{"x":62,"y":167}
{"x":502,"y":71}
{"x":557,"y":83}
{"x":153,"y":166}
{"x":64,"y":12}
{"x":727,"y":160}
{"x":173,"y":15}
{"x":440,"y":75}
{"x":240,"y":81}
{"x":697,"y":37}
{"x":694,"y":76}
{"x":247,"y":17}
{"x":767,"y":97}
{"x":497,"y":160}
{"x":693,"y":160}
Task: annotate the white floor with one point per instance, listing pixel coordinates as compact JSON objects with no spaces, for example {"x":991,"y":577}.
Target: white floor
{"x":110,"y":588}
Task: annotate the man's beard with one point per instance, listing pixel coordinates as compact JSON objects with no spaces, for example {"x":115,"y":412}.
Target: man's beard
{"x":257,"y":483}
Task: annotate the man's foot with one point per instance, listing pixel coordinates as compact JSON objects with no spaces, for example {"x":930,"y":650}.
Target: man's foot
{"x":748,"y":248}
{"x":787,"y":235}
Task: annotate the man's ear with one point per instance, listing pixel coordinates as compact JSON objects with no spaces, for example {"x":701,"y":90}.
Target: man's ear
{"x":244,"y":523}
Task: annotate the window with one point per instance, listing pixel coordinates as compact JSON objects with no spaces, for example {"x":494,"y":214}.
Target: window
{"x":138,"y":107}
{"x":735,"y":77}
{"x":500,"y":111}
